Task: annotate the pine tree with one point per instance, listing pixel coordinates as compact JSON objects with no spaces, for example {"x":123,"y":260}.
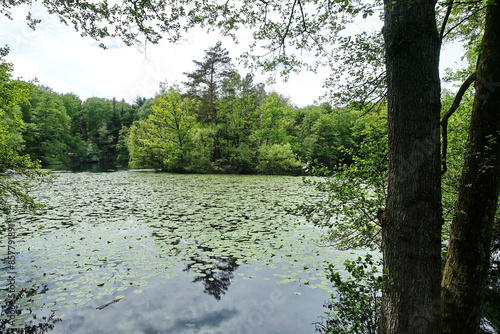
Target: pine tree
{"x":206,"y":81}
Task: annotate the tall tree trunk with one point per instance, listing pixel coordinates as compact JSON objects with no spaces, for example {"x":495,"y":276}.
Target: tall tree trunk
{"x":468,"y":259}
{"x":411,"y":228}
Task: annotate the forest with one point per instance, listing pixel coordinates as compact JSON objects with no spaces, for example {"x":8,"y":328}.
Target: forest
{"x":220,"y":121}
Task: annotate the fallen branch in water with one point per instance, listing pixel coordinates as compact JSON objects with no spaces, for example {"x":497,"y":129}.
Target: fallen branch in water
{"x":107,"y":304}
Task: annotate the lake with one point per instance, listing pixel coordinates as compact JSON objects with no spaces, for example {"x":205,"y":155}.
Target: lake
{"x":143,"y":252}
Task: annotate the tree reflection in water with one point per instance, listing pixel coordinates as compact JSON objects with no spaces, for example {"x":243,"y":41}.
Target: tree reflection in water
{"x":218,"y":271}
{"x":36,"y":324}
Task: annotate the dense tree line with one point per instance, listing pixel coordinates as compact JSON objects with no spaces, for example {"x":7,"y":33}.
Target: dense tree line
{"x":61,"y":128}
{"x":221,"y":121}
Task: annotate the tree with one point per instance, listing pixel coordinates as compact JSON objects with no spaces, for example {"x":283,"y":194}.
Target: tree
{"x":98,"y":113}
{"x":124,"y":115}
{"x":277,"y":159}
{"x":141,"y":153}
{"x":238,"y":118}
{"x":144,"y":109}
{"x":47,"y":127}
{"x":275,"y":120}
{"x":206,"y":81}
{"x":122,"y":151}
{"x":468,"y":258}
{"x":411,"y":227}
{"x":72,"y":103}
{"x":331,"y":132}
{"x":104,"y":119}
{"x":164,"y":140}
{"x":77,"y":127}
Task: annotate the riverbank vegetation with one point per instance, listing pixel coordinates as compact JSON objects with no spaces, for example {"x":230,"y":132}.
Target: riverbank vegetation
{"x":218,"y":121}
{"x":18,"y":172}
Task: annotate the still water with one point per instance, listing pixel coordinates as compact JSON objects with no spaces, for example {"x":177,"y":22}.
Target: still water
{"x":144,"y":252}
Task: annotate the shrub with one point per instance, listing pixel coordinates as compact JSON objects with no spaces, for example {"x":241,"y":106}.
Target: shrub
{"x":356,"y":306}
{"x":277,"y":159}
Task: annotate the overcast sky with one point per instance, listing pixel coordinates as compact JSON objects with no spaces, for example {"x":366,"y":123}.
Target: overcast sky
{"x":60,"y":58}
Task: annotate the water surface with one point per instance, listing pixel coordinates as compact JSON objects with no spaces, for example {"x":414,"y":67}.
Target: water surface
{"x":144,"y":252}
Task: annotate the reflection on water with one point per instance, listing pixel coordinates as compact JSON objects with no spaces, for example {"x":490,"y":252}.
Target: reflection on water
{"x":36,"y":323}
{"x":214,"y":272}
{"x":161,"y":251}
{"x":87,"y":167}
{"x":177,"y":306}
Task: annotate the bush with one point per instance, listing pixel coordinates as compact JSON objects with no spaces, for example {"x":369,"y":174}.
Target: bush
{"x":277,"y":159}
{"x":356,"y":306}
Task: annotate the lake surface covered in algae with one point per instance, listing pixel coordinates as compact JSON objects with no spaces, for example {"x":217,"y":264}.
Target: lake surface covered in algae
{"x":144,"y":252}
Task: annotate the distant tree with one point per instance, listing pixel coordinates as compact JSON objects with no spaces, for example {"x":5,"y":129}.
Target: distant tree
{"x":138,"y":102}
{"x":144,"y":110}
{"x":164,"y":140}
{"x":122,"y":153}
{"x":72,"y":103}
{"x":202,"y":152}
{"x":141,"y":150}
{"x":277,"y":159}
{"x":98,"y":112}
{"x":124,"y":115}
{"x":77,"y":127}
{"x":103,"y":125}
{"x":206,"y":81}
{"x":304,"y":140}
{"x":275,"y":120}
{"x":238,"y":119}
{"x":239,"y":104}
{"x":331,"y":132}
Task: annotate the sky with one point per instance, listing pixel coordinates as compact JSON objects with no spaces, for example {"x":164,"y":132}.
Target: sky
{"x":61,"y":59}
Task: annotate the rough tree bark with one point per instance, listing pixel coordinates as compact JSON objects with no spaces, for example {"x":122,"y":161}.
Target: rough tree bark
{"x":411,"y":230}
{"x":467,"y":264}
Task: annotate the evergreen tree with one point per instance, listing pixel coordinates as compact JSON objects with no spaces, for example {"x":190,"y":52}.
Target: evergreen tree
{"x":206,"y":81}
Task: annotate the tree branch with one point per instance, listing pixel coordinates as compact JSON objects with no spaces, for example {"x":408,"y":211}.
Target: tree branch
{"x":462,"y":21}
{"x":444,"y":120}
{"x":445,"y":19}
{"x":304,"y":24}
{"x":292,"y":13}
